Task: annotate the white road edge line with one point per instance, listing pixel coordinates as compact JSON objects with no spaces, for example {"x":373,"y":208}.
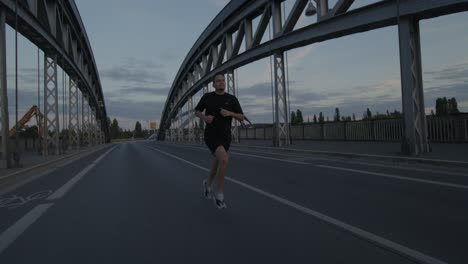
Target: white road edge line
{"x":67,"y":186}
{"x":14,"y":231}
{"x":287,"y":154}
{"x":269,"y":158}
{"x":453,"y":185}
{"x":445,"y":184}
{"x":380,"y":241}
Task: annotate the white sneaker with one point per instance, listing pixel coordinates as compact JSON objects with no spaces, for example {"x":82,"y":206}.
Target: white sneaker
{"x":206,"y":191}
{"x":219,"y":201}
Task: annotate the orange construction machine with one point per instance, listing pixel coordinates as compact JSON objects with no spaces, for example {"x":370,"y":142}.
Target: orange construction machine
{"x":25,"y":119}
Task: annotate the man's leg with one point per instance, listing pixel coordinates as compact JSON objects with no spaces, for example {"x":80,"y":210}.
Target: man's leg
{"x":213,"y":171}
{"x":222,"y":160}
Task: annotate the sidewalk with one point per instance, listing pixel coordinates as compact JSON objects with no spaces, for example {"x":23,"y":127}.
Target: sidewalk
{"x":32,"y":160}
{"x":446,"y":154}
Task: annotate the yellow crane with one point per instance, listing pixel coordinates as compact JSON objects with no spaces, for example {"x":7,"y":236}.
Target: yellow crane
{"x":34,"y":111}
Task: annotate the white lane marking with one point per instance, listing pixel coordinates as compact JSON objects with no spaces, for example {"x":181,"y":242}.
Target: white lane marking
{"x":269,"y":158}
{"x":445,"y":184}
{"x":263,"y":157}
{"x":432,"y":171}
{"x":67,"y":186}
{"x":438,"y":173}
{"x":380,"y":241}
{"x":453,"y":185}
{"x":14,"y":231}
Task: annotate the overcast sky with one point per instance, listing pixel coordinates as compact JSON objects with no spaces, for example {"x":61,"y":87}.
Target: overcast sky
{"x":139,"y":46}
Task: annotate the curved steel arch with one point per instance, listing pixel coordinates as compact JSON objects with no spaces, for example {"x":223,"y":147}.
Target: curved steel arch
{"x":207,"y":54}
{"x":55,"y":26}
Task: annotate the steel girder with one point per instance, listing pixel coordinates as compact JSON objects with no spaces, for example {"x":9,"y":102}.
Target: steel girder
{"x":51,"y":112}
{"x":415,"y":135}
{"x":85,"y":126}
{"x":231,"y":87}
{"x":73,"y":120}
{"x":4,"y":118}
{"x":55,"y":26}
{"x":236,"y":18}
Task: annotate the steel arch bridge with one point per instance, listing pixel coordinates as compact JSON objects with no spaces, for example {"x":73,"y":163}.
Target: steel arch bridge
{"x":217,"y":50}
{"x":55,"y":26}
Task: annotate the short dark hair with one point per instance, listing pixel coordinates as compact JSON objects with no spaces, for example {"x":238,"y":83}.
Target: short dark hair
{"x":218,"y":73}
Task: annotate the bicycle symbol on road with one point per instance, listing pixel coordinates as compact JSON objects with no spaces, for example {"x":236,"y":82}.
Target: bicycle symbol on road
{"x":18,"y":201}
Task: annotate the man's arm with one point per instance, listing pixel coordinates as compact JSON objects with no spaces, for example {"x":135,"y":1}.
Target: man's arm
{"x":239,"y":117}
{"x":200,"y":115}
{"x":208,"y":119}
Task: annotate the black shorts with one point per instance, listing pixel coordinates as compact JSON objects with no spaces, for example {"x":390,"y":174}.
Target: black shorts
{"x":214,"y":143}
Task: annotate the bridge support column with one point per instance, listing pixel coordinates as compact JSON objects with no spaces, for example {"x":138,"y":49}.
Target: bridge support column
{"x":4,"y":120}
{"x":231,"y":87}
{"x":281,"y":103}
{"x":98,"y":132}
{"x":51,"y":113}
{"x":192,"y":119}
{"x":93,"y":128}
{"x":415,"y":127}
{"x":73,"y":123}
{"x":282,"y":129}
{"x":85,"y":121}
{"x":180,"y":131}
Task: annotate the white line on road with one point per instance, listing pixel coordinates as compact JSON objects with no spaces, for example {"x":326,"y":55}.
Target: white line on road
{"x":269,"y":158}
{"x":380,"y":241}
{"x":67,"y":186}
{"x":12,"y":233}
{"x":453,"y":185}
{"x":304,"y":157}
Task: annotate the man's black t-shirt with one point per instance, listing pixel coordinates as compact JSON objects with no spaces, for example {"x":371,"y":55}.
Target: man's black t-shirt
{"x":220,"y":128}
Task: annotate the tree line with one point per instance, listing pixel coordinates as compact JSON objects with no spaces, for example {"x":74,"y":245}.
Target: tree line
{"x":443,"y":107}
{"x":116,"y":132}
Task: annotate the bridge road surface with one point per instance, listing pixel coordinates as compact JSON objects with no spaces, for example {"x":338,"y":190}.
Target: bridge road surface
{"x":141,"y":202}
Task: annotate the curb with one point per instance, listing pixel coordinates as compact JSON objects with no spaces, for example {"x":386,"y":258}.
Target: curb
{"x":408,"y":160}
{"x":45,"y":164}
{"x":366,"y":156}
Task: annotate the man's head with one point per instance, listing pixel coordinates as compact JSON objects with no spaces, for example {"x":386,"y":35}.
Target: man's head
{"x":219,"y":82}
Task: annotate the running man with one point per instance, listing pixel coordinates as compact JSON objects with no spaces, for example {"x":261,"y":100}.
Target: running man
{"x":220,"y":107}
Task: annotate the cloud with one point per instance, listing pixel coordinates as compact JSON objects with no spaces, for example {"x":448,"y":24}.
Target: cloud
{"x":135,"y":71}
{"x":380,"y":96}
{"x":25,"y":76}
{"x":168,"y":55}
{"x":457,"y":72}
{"x":219,"y":3}
{"x":135,"y":110}
{"x":138,"y":90}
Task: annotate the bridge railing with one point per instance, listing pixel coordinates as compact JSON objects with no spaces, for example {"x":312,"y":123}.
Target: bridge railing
{"x":440,"y":129}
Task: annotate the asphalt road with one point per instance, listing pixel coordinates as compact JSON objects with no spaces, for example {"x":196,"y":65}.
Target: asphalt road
{"x":141,"y":202}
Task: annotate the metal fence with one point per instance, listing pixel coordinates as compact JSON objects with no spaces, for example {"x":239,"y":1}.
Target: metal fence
{"x":440,"y":129}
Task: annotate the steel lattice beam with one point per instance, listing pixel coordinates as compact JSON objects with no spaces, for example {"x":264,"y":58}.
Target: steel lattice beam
{"x":231,"y":88}
{"x":56,"y":28}
{"x":4,"y":119}
{"x":415,"y":136}
{"x":233,"y":17}
{"x":93,"y":127}
{"x":85,"y":121}
{"x":191,"y":118}
{"x":51,"y":113}
{"x":73,"y":120}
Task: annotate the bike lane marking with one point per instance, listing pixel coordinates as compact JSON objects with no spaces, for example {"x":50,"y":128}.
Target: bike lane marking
{"x":16,"y":201}
{"x":13,"y":232}
{"x":20,"y":226}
